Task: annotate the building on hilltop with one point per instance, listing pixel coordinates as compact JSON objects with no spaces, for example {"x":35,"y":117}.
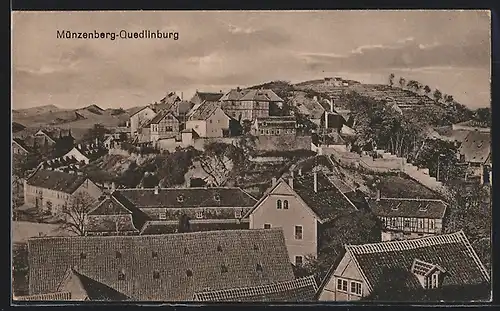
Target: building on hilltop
{"x":435,"y":268}
{"x":50,"y":191}
{"x":249,"y":104}
{"x":209,"y":120}
{"x":298,"y":290}
{"x":405,"y":218}
{"x":171,"y":267}
{"x":301,"y":206}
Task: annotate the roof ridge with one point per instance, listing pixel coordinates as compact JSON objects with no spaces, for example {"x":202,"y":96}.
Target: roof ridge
{"x":406,"y":244}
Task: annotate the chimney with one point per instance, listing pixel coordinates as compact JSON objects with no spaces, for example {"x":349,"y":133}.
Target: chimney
{"x":113,"y":187}
{"x":315,"y":182}
{"x":156,"y":190}
{"x":96,"y":141}
{"x":290,"y":182}
{"x":378,"y":195}
{"x":274,"y":181}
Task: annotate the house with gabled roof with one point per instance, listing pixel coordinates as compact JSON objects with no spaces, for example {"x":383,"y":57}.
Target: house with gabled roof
{"x":399,"y":270}
{"x":158,"y":210}
{"x":200,"y":97}
{"x":163,"y":125}
{"x":139,"y":118}
{"x":475,"y":150}
{"x":249,"y":104}
{"x":275,"y":125}
{"x":209,"y":120}
{"x":18,"y":147}
{"x":46,"y":135}
{"x":408,"y":218}
{"x":298,"y":290}
{"x":50,"y":190}
{"x":300,"y":207}
{"x":169,"y":268}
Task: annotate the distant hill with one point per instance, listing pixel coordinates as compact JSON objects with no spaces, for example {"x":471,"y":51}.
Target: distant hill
{"x":35,"y":110}
{"x":17,"y":127}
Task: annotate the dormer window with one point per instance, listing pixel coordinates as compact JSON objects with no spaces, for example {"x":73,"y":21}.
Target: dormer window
{"x":199,"y":214}
{"x":217,"y":197}
{"x":258,"y":268}
{"x":429,"y":275}
{"x":396,"y":207}
{"x":180,"y":198}
{"x":121,"y":275}
{"x":237,"y":214}
{"x":423,"y":208}
{"x":83,"y":255}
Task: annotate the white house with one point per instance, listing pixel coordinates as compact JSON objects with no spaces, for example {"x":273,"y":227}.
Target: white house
{"x":140,"y":118}
{"x":209,"y":120}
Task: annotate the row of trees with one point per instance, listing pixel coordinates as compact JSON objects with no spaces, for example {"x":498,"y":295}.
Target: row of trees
{"x":420,"y":88}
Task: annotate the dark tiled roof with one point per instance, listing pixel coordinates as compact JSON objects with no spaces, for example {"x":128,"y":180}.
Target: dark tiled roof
{"x":93,"y":289}
{"x":205,"y":110}
{"x":111,"y":217}
{"x":386,"y":261}
{"x":261,"y":95}
{"x":57,"y":296}
{"x":298,"y":290}
{"x":476,"y":147}
{"x":186,"y":263}
{"x":358,"y":198}
{"x":21,"y":143}
{"x":56,"y":180}
{"x":327,"y":202}
{"x":162,"y":114}
{"x":188,"y":197}
{"x":209,"y":96}
{"x":405,"y":207}
{"x":165,"y":227}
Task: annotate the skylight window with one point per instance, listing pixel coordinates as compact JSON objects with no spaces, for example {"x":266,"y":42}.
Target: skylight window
{"x":219,"y":248}
{"x":156,"y":274}
{"x":154,"y":254}
{"x":121,"y":275}
{"x":118,"y":254}
{"x":258,"y":267}
{"x":217,"y":197}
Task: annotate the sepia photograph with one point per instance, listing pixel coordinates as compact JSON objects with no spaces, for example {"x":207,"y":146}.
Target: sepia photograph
{"x":319,"y":157}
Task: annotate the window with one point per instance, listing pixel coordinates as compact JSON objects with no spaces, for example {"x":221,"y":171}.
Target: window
{"x":277,"y":132}
{"x":163,"y":216}
{"x":261,"y":132}
{"x":217,"y":197}
{"x":278,"y":204}
{"x":199,"y":214}
{"x":180,"y":198}
{"x":298,"y":261}
{"x":121,"y":275}
{"x":210,"y":120}
{"x":154,"y":254}
{"x":298,"y":232}
{"x":49,"y":206}
{"x":219,"y":248}
{"x":434,"y":281}
{"x":223,"y":269}
{"x":189,"y":272}
{"x":237,"y":214}
{"x":267,"y":226}
{"x":393,"y":222}
{"x":406,"y":223}
{"x":431,"y":224}
{"x":267,"y":132}
{"x":156,"y":275}
{"x":342,"y":285}
{"x":118,"y":254}
{"x":258,"y":267}
{"x":420,"y":223}
{"x":285,"y":204}
{"x":383,"y":221}
{"x":355,"y":288}
{"x":169,"y":129}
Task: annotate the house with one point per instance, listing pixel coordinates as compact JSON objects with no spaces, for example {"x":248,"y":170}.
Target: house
{"x":405,"y":218}
{"x":209,"y":120}
{"x":300,"y":207}
{"x":163,"y":125}
{"x":400,"y":270}
{"x":18,"y":147}
{"x":169,"y":267}
{"x":476,"y":152}
{"x":298,"y":290}
{"x":276,"y":125}
{"x":199,"y":97}
{"x":249,"y":104}
{"x":86,"y":153}
{"x":51,"y":190}
{"x":46,"y":136}
{"x":139,"y":119}
{"x":309,"y":108}
{"x":159,"y":210}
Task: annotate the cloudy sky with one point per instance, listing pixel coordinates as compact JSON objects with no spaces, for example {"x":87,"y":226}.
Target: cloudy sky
{"x":449,"y":50}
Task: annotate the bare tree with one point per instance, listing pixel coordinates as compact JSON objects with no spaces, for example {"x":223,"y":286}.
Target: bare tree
{"x":217,"y":162}
{"x":75,"y":212}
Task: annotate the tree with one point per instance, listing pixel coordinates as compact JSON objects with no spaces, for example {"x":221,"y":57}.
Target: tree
{"x":74,"y":213}
{"x":448,"y":99}
{"x":427,"y":90}
{"x":184,"y":224}
{"x":217,"y":162}
{"x":123,"y":137}
{"x":402,"y":82}
{"x":349,"y":227}
{"x":483,"y":115}
{"x":391,"y":79}
{"x":438,"y":95}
